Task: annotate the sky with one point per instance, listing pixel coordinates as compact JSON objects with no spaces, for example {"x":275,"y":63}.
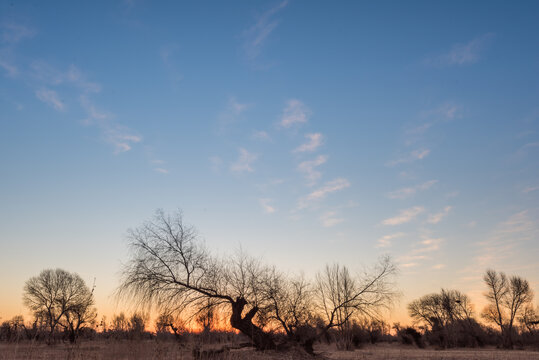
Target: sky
{"x":303,"y":132}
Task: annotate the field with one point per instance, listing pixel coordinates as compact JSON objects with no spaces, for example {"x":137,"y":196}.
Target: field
{"x":169,"y":350}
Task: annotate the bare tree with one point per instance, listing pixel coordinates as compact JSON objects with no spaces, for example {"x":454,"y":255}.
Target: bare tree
{"x":343,"y":297}
{"x":172,"y":270}
{"x":81,"y":312}
{"x":530,"y":318}
{"x":441,"y":309}
{"x":507,"y":297}
{"x":290,"y":302}
{"x":447,"y":315}
{"x":61,"y":298}
{"x":120,"y":323}
{"x":166,"y":322}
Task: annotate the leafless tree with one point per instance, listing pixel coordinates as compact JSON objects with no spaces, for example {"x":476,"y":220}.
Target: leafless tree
{"x":343,"y":297}
{"x":119,"y":323}
{"x":448,"y":316}
{"x":290,"y":302}
{"x":507,"y":297}
{"x":441,"y":309}
{"x":81,"y":312}
{"x":166,"y":322}
{"x":171,"y":269}
{"x":61,"y":298}
{"x":529,"y":318}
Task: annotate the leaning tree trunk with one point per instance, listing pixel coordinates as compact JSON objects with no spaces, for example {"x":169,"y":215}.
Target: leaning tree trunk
{"x":261,"y":339}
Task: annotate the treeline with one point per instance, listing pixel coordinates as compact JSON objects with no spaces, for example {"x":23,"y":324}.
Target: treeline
{"x":170,"y":272}
{"x":447,"y":319}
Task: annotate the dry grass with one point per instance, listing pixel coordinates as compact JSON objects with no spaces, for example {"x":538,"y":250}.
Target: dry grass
{"x":397,"y":351}
{"x":168,"y":350}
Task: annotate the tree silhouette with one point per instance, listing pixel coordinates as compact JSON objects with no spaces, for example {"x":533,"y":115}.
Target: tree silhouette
{"x":171,"y":269}
{"x":507,"y":297}
{"x":60,"y":298}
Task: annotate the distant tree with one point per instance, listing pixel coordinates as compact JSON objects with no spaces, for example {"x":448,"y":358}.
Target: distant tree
{"x":119,"y":323}
{"x":166,"y":322}
{"x":508,"y":297}
{"x":530,"y":318}
{"x":447,"y":317}
{"x":163,"y":322}
{"x":441,"y":309}
{"x":137,"y":325}
{"x":205,"y":316}
{"x":342,"y":297}
{"x":80,"y":313}
{"x":13,"y":330}
{"x":60,"y":298}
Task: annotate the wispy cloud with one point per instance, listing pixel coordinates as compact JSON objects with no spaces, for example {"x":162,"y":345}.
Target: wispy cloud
{"x":436,"y":218}
{"x":409,"y":191}
{"x":51,"y":98}
{"x":319,"y":194}
{"x":530,"y":189}
{"x":231,"y":113}
{"x":427,"y":245}
{"x":409,"y":265}
{"x":309,"y":168}
{"x":216,"y":163}
{"x":121,"y":137}
{"x":258,"y":33}
{"x":441,"y":114}
{"x":315,"y":141}
{"x":527,"y":148}
{"x":10,"y":69}
{"x":51,"y":76}
{"x":244,"y":162}
{"x":438,"y":266}
{"x":270,"y":184}
{"x":74,"y":80}
{"x":404,"y":216}
{"x":167,"y":54}
{"x":418,"y":154}
{"x":294,"y":113}
{"x":446,"y":111}
{"x":508,"y":244}
{"x":463,"y":53}
{"x":329,"y":219}
{"x":421,"y":252}
{"x":13,"y":33}
{"x":261,"y":135}
{"x":266,"y":205}
{"x":161,"y":170}
{"x":94,"y":115}
{"x":385,"y":241}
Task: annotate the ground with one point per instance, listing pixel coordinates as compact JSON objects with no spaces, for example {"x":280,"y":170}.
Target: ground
{"x":168,"y":350}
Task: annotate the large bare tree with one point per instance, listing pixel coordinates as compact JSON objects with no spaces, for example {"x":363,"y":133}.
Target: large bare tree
{"x":61,"y":298}
{"x":171,"y":269}
{"x":507,"y":297}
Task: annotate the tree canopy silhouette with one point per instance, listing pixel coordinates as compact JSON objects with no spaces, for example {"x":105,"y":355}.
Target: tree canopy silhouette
{"x":62,"y":299}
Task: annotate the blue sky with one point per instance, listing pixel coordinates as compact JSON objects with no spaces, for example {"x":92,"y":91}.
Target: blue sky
{"x":305,"y":132}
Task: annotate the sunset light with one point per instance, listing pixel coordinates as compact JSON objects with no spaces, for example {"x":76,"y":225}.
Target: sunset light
{"x":334,"y":179}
